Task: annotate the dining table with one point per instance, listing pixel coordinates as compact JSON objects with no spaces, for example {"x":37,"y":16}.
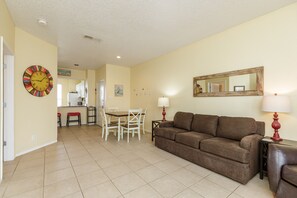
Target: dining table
{"x":119,"y":115}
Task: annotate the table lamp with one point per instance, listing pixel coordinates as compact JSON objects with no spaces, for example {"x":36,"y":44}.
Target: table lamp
{"x":163,"y":102}
{"x":276,"y":104}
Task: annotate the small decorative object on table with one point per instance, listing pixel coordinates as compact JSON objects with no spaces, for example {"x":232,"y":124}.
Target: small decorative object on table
{"x":276,"y":104}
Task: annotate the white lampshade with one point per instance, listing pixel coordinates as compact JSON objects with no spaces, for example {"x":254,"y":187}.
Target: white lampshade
{"x":163,"y":102}
{"x":276,"y":103}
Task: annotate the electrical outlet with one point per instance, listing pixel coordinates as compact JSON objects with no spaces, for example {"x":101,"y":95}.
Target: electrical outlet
{"x":33,"y":138}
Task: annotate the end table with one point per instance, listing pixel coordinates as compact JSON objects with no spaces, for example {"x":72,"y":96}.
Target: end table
{"x":264,"y":152}
{"x":155,"y":124}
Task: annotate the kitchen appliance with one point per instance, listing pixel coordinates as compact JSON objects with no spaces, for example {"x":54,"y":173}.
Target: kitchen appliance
{"x":73,"y":99}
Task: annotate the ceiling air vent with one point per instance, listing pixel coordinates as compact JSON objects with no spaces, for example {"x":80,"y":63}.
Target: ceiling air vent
{"x":91,"y":38}
{"x":88,"y":37}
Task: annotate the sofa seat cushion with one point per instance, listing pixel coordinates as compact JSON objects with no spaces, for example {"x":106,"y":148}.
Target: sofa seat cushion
{"x":191,"y":139}
{"x":289,"y":174}
{"x":183,"y":120}
{"x":226,"y":148}
{"x":236,"y":128}
{"x":168,"y":132}
{"x":205,"y":124}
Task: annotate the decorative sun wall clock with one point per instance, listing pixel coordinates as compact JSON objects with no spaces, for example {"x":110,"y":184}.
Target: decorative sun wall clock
{"x":38,"y":81}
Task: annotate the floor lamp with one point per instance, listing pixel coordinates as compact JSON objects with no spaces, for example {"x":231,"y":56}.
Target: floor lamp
{"x":276,"y":104}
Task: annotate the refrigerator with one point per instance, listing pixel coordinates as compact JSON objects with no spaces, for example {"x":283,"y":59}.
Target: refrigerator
{"x":73,"y":98}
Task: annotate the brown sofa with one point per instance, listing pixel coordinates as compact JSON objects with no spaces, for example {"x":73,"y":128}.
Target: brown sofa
{"x":282,"y":170}
{"x":226,"y":145}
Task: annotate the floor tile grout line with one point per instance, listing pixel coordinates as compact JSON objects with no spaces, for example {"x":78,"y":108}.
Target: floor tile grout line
{"x":111,"y":180}
{"x":43,"y":191}
{"x":82,"y":136}
{"x":81,"y":191}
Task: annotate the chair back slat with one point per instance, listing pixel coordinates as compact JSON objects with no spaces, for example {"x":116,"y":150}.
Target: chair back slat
{"x":134,"y":116}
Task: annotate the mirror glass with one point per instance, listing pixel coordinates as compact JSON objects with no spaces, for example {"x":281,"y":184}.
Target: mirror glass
{"x":246,"y":82}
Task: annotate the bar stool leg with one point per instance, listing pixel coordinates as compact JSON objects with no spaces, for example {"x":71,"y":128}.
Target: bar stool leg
{"x":79,"y":120}
{"x":60,"y":122}
{"x":67,"y":124}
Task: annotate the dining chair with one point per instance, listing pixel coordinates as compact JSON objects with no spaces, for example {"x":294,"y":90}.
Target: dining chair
{"x":106,"y":126}
{"x":143,"y":119}
{"x":133,"y":123}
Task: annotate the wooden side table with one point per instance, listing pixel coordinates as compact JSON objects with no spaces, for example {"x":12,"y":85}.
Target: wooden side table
{"x":264,"y":152}
{"x":155,"y":124}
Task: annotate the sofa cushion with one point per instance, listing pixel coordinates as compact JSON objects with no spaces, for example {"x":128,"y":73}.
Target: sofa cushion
{"x":183,"y":120}
{"x":289,"y":174}
{"x":236,"y":128}
{"x":226,"y":148}
{"x":168,"y":132}
{"x":191,"y":139}
{"x":205,"y":124}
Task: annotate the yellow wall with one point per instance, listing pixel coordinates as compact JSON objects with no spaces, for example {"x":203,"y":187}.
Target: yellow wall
{"x":117,"y":75}
{"x":75,"y":74}
{"x":91,"y":77}
{"x":35,"y":117}
{"x":269,"y":40}
{"x":6,"y":26}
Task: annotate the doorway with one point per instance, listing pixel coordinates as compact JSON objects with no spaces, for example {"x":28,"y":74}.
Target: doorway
{"x":8,"y":83}
{"x":6,"y":105}
{"x":100,"y":100}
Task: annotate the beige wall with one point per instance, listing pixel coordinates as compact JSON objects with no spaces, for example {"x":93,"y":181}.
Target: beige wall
{"x":6,"y":26}
{"x":117,"y":75}
{"x":75,"y":74}
{"x":269,"y":40}
{"x":91,"y":77}
{"x":35,"y":117}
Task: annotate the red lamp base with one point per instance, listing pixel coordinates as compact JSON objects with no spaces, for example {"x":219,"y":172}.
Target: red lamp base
{"x":276,"y":126}
{"x":275,"y":138}
{"x":164,"y":114}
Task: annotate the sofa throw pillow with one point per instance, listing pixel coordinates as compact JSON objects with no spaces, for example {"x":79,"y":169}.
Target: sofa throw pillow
{"x":236,"y":127}
{"x":205,"y":124}
{"x":183,"y":120}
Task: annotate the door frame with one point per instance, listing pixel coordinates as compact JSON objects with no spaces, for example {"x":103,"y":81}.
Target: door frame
{"x":8,"y":83}
{"x":100,"y":104}
{"x":1,"y":107}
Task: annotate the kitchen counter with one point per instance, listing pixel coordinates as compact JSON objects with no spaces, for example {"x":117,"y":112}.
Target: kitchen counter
{"x":65,"y":109}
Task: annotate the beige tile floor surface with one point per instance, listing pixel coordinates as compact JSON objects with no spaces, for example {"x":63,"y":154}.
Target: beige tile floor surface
{"x":81,"y":164}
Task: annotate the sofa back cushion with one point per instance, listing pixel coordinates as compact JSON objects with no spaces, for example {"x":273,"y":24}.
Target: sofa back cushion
{"x":236,"y":128}
{"x":205,"y":124}
{"x":183,"y":120}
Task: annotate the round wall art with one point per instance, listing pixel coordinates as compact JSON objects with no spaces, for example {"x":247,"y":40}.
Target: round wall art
{"x":38,"y":81}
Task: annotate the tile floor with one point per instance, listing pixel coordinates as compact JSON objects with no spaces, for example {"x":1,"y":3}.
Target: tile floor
{"x":80,"y":165}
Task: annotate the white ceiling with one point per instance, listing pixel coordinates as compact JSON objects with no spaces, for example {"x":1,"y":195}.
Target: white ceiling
{"x":137,"y":30}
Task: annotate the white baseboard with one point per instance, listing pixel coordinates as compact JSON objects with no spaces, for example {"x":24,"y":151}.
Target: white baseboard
{"x":35,"y":148}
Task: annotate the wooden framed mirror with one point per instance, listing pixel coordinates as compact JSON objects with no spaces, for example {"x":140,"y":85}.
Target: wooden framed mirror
{"x":245,"y":82}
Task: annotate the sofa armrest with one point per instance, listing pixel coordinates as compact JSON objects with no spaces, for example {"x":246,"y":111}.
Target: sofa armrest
{"x":252,"y":144}
{"x":166,"y":124}
{"x":279,"y":155}
{"x":250,"y":141}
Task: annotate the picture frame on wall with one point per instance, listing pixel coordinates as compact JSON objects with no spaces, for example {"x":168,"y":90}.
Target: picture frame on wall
{"x":64,"y":72}
{"x":239,"y":88}
{"x":118,"y":90}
